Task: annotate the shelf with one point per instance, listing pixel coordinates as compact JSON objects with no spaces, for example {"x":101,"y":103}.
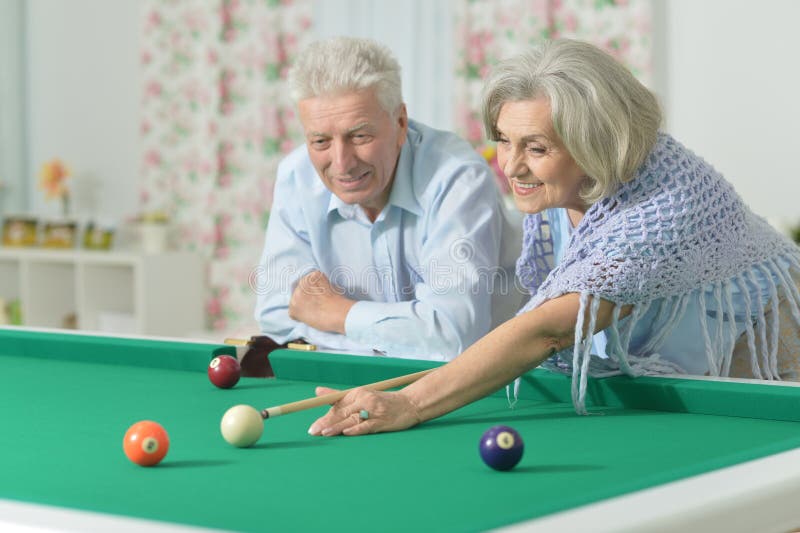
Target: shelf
{"x":115,"y":292}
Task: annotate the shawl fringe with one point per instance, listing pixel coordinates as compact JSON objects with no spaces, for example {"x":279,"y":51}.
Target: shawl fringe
{"x":762,"y":331}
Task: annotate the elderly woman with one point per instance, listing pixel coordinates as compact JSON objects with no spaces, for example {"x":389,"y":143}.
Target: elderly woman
{"x":639,"y":257}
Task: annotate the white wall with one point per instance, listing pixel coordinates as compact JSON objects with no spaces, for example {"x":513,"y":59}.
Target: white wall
{"x":13,"y":185}
{"x":732,"y":95}
{"x":83,"y":99}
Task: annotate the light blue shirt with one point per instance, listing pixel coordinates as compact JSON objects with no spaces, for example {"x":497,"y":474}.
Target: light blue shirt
{"x":684,"y":346}
{"x":431,"y":275}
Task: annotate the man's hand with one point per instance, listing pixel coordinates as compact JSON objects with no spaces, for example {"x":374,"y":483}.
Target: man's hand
{"x":317,"y":303}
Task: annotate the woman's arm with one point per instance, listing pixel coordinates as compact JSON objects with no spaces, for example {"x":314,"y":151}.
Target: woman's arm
{"x":510,"y":350}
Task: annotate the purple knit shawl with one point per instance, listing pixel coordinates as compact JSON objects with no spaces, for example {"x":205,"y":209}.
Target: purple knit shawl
{"x":676,"y":229}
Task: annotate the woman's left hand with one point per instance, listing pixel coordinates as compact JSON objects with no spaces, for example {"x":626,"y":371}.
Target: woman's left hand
{"x":364,"y":411}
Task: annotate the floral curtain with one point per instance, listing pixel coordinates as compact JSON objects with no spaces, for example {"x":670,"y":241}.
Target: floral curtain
{"x":215,"y":121}
{"x":489,"y":30}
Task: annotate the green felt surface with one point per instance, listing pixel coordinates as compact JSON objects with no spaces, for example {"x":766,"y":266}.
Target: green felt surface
{"x":65,"y":420}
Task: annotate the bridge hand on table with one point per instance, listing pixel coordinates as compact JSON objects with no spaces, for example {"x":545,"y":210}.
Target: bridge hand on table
{"x":363,"y":411}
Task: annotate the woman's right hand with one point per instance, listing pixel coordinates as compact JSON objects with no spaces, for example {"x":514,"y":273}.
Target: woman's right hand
{"x":385,"y":411}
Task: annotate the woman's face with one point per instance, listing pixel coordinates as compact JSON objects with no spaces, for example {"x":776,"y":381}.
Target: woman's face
{"x":541,"y":172}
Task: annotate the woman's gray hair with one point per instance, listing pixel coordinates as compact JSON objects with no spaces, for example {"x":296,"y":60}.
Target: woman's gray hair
{"x":607,"y":120}
{"x":343,"y":64}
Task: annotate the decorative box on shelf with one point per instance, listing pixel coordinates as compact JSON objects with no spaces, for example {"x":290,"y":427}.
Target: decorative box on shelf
{"x":59,"y":234}
{"x":98,"y":237}
{"x":20,"y":231}
{"x":30,"y":232}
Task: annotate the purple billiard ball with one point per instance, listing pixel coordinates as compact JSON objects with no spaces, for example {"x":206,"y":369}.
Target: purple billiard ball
{"x":224,"y":371}
{"x":501,"y":447}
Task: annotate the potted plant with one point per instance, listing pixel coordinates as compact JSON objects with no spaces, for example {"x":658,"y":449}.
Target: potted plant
{"x":154,"y":231}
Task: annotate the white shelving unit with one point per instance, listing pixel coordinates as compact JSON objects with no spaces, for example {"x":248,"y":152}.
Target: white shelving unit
{"x":115,"y":292}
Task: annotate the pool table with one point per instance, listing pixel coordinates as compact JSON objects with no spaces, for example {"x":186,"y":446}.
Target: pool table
{"x":655,"y":454}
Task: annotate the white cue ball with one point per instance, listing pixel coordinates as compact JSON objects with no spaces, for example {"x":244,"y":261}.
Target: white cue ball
{"x":242,"y":426}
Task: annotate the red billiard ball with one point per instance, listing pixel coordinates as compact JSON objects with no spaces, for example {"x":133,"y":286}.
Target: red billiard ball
{"x":146,"y":443}
{"x":501,"y":447}
{"x":224,"y":371}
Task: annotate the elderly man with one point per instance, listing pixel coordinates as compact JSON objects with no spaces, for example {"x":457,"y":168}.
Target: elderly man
{"x":386,"y":236}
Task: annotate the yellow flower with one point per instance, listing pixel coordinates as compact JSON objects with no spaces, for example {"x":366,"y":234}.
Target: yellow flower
{"x":52,"y":179}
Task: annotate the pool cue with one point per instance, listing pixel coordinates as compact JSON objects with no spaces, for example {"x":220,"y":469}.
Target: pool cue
{"x":333,"y":397}
{"x":230,"y":341}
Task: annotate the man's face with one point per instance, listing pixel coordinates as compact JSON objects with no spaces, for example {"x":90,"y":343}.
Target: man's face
{"x":354,"y":144}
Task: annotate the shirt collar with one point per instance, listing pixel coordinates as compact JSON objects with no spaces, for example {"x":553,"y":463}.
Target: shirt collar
{"x":402,"y":194}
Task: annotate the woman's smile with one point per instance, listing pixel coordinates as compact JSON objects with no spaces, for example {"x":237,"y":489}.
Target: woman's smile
{"x":525,"y":189}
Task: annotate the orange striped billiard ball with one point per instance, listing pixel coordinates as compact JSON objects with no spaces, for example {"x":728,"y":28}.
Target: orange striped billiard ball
{"x":146,"y":443}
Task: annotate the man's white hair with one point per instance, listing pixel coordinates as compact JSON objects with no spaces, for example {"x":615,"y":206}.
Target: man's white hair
{"x":344,"y":64}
